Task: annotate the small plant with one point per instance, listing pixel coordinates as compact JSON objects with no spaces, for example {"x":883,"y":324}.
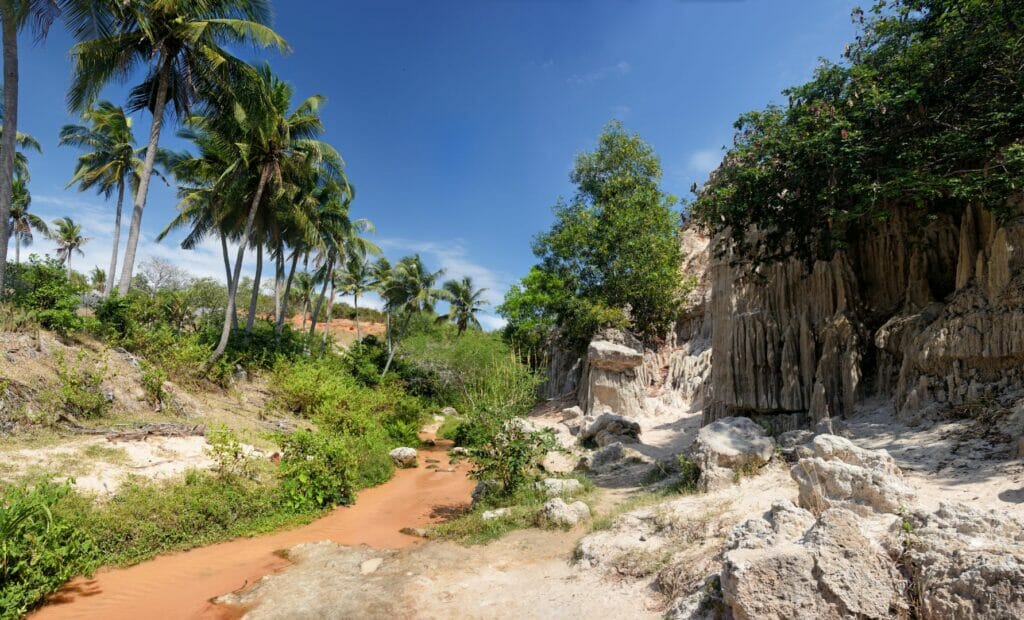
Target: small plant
{"x":317,"y":471}
{"x":80,"y":391}
{"x":228,"y":453}
{"x":689,"y":474}
{"x":510,"y":458}
{"x":153,"y":379}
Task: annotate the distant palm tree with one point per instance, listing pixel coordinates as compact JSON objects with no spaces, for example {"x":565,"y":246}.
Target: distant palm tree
{"x":357,"y":278}
{"x":304,"y":287}
{"x":14,"y":15}
{"x":411,"y":290}
{"x":69,"y":239}
{"x":464,"y":302}
{"x":180,"y":42}
{"x":98,"y":279}
{"x":22,"y":223}
{"x":383,"y":273}
{"x":110,"y":162}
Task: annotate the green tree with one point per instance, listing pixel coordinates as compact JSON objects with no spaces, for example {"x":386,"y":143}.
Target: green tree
{"x":22,"y":223}
{"x":357,"y":278}
{"x":922,"y":114}
{"x":464,"y":301}
{"x":180,"y":42}
{"x":411,"y":289}
{"x":109,"y":164}
{"x":614,"y":247}
{"x":67,"y":234}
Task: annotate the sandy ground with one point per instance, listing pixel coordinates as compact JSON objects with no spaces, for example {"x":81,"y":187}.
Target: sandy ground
{"x":344,"y":330}
{"x":101,"y":466}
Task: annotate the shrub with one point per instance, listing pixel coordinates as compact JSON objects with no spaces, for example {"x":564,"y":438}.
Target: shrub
{"x":316,"y":471}
{"x":42,"y":287}
{"x":226,"y":450}
{"x":38,"y":551}
{"x":511,"y":456}
{"x":80,"y":387}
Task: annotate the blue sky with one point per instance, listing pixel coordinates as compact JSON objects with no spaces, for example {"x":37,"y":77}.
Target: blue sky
{"x":459,"y":120}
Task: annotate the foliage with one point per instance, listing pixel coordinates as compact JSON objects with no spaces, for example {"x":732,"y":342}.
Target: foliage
{"x":227,"y":452}
{"x":38,"y":552}
{"x":464,"y":301}
{"x":611,"y":257}
{"x":925,"y":113}
{"x":79,"y":390}
{"x":511,"y":455}
{"x":317,"y":471}
{"x":41,"y":286}
{"x":689,"y":474}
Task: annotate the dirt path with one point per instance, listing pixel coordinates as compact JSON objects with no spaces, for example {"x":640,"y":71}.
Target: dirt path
{"x":181,"y":585}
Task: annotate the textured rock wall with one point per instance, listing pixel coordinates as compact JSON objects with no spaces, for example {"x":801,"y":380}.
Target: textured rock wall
{"x":930,"y":320}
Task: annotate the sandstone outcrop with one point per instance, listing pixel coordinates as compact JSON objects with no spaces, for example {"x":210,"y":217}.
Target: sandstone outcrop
{"x":609,"y":428}
{"x":728,"y":447}
{"x":557,"y":512}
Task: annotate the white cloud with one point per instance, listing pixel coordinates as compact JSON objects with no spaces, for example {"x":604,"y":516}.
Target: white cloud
{"x":617,"y":70}
{"x":491,"y":322}
{"x":704,"y":161}
{"x":453,"y":257}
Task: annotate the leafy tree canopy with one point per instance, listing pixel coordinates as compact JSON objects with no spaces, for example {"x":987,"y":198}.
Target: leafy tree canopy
{"x":926,"y":111}
{"x":612,"y":255}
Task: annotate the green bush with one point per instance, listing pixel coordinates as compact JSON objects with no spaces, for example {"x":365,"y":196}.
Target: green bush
{"x":38,"y":550}
{"x":511,"y":455}
{"x":42,"y":287}
{"x":317,"y":471}
{"x":79,"y":390}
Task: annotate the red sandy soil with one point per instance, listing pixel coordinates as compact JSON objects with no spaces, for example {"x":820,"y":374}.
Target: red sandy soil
{"x":344,"y":330}
{"x":181,"y":585}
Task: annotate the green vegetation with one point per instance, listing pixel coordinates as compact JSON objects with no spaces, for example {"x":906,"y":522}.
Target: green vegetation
{"x":612,"y":256}
{"x":924,"y":114}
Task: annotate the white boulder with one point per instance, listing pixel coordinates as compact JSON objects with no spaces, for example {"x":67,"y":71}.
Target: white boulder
{"x":403,"y":457}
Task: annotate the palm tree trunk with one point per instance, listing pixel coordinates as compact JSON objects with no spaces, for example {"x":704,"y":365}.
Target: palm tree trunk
{"x":227,"y":272}
{"x":17,"y":249}
{"x":278,"y":280}
{"x":147,"y":171}
{"x":387,"y":328}
{"x":233,"y":282}
{"x":330,"y":308}
{"x":10,"y":129}
{"x":69,"y":266}
{"x":355,"y":304}
{"x":320,"y":301}
{"x":255,"y":290}
{"x":391,"y":353}
{"x":108,"y":286}
{"x":287,"y":291}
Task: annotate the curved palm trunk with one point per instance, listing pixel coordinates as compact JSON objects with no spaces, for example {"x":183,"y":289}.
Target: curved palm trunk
{"x":7,"y":145}
{"x":330,"y":308}
{"x":355,"y":304}
{"x":147,"y":171}
{"x":227,"y":272}
{"x":17,"y":248}
{"x":287,"y":291}
{"x":391,"y":353}
{"x":254,"y":300}
{"x":278,"y":280}
{"x":108,"y":286}
{"x":320,"y":302}
{"x":233,"y":282}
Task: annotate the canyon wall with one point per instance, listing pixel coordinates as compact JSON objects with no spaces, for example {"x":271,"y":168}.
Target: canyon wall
{"x":926,"y":317}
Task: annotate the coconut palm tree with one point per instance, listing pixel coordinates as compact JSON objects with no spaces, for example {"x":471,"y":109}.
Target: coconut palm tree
{"x":464,"y":301}
{"x":411,"y":290}
{"x":304,"y":287}
{"x":14,"y":15}
{"x":98,"y":279}
{"x":110,"y":163}
{"x":22,"y":223}
{"x":67,"y":234}
{"x":382,"y":273}
{"x":357,"y":278}
{"x":180,"y":42}
{"x":270,"y":144}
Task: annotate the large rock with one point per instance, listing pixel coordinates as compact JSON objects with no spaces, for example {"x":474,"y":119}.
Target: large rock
{"x":964,"y":563}
{"x":778,"y":567}
{"x":557,"y":512}
{"x":609,"y":428}
{"x":558,"y":487}
{"x":729,"y":446}
{"x":840,"y":474}
{"x":613,"y":377}
{"x":403,"y":457}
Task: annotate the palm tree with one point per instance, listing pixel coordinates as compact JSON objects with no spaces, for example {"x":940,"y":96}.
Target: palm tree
{"x":67,"y":234}
{"x":109,"y":163}
{"x":269,"y":143}
{"x":14,"y":15}
{"x":464,"y":301}
{"x":98,"y":279}
{"x":382,"y":273}
{"x":411,"y":290}
{"x":22,"y":223}
{"x":357,"y":278}
{"x":304,"y":287}
{"x":180,"y":44}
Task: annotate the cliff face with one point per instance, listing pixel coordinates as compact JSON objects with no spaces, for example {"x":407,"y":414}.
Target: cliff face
{"x":928,"y":318}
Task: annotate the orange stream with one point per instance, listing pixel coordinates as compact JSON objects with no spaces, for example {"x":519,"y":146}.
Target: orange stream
{"x":181,"y":585}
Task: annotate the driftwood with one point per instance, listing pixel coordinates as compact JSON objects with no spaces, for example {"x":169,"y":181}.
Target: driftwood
{"x":129,"y":432}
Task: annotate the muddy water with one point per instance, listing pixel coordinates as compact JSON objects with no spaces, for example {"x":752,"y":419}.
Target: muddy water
{"x":181,"y":585}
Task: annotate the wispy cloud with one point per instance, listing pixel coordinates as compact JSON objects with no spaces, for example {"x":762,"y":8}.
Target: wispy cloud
{"x":617,"y":70}
{"x":704,"y":161}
